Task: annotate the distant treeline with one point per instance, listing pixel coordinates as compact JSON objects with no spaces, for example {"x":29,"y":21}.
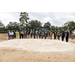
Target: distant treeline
{"x":33,"y":24}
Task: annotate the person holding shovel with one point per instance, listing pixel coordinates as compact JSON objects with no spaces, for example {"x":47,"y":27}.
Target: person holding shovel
{"x":55,"y":33}
{"x":28,"y":32}
{"x":31,"y":32}
{"x":51,"y":34}
{"x":48,"y":34}
{"x":67,"y":35}
{"x":63,"y":34}
{"x":45,"y":33}
{"x":39,"y":33}
{"x":25,"y":33}
{"x":17,"y":34}
{"x":9,"y":35}
{"x":42,"y":33}
{"x":34,"y":33}
{"x":14,"y":34}
{"x":58,"y":34}
{"x":20,"y":33}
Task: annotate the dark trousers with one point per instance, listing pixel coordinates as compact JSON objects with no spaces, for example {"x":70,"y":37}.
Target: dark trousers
{"x":39,"y":36}
{"x":34,"y":36}
{"x":45,"y":36}
{"x":28,"y":36}
{"x":8,"y":37}
{"x":25,"y":35}
{"x":31,"y":35}
{"x":67,"y":38}
{"x":62,"y":38}
{"x":54,"y":36}
{"x":12,"y":36}
{"x":58,"y":37}
{"x":22,"y":35}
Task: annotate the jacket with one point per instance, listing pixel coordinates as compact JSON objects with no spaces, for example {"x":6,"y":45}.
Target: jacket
{"x":28,"y":32}
{"x":37,"y":33}
{"x":25,"y":32}
{"x":20,"y":32}
{"x":8,"y":33}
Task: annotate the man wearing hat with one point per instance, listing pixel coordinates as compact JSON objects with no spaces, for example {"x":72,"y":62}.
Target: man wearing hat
{"x":63,"y":34}
{"x":34,"y":33}
{"x":55,"y":33}
{"x":48,"y":34}
{"x":28,"y":32}
{"x":51,"y":34}
{"x":17,"y":34}
{"x":39,"y":33}
{"x":14,"y":34}
{"x":9,"y":35}
{"x":20,"y":33}
{"x":67,"y":35}
{"x":42,"y":34}
{"x":25,"y":33}
{"x":31,"y":32}
{"x":58,"y":34}
{"x":45,"y":33}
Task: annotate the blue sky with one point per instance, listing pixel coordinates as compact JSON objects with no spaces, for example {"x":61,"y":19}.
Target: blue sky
{"x":55,"y":18}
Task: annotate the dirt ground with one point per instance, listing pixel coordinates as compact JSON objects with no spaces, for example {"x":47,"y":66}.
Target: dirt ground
{"x":12,"y":55}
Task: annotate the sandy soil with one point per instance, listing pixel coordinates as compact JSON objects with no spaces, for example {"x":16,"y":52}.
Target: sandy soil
{"x":13,"y":55}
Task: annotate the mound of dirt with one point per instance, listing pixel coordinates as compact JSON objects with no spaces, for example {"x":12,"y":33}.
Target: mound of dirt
{"x":38,"y":45}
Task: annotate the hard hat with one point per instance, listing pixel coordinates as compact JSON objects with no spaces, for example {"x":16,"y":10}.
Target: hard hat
{"x":58,"y":29}
{"x":62,"y":29}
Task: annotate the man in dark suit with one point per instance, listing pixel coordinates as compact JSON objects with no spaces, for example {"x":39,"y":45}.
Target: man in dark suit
{"x":63,"y":35}
{"x":55,"y":33}
{"x":20,"y":33}
{"x":67,"y":36}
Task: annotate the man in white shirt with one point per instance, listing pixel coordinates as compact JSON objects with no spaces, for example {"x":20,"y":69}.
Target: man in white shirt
{"x":12,"y":34}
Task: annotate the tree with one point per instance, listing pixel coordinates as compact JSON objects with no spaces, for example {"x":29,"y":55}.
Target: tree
{"x":2,"y":27}
{"x":53,"y":28}
{"x":1,"y":24}
{"x":47,"y":25}
{"x":13,"y":26}
{"x":70,"y":24}
{"x":23,"y":18}
{"x":34,"y":24}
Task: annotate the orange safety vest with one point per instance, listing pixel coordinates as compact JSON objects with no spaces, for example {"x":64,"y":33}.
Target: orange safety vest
{"x":21,"y":32}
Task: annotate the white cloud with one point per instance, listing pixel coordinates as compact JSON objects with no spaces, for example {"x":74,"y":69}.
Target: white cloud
{"x":55,"y":18}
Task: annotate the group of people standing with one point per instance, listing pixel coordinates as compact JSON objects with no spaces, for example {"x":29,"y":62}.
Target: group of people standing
{"x":35,"y":33}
